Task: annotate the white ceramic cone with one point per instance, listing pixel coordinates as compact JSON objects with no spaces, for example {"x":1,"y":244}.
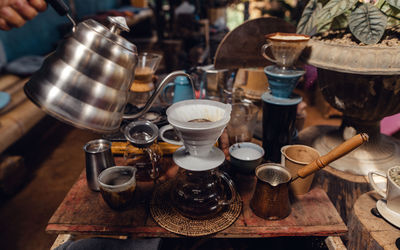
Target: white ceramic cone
{"x":199,"y":137}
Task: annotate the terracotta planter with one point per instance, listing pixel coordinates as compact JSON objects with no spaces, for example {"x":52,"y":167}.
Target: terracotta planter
{"x":364,"y":83}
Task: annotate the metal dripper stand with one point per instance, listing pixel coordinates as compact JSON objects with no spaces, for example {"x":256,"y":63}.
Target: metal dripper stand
{"x":143,"y":134}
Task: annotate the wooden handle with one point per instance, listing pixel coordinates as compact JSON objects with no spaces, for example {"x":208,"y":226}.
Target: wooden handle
{"x":122,"y":147}
{"x":336,"y":153}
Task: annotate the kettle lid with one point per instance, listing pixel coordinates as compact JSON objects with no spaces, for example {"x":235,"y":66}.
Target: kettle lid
{"x":116,"y":25}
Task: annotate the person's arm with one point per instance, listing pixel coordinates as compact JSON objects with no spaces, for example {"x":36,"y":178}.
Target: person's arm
{"x":15,"y":13}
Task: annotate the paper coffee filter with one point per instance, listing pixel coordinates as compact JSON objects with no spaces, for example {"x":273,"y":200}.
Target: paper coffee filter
{"x":179,"y":114}
{"x":192,"y":112}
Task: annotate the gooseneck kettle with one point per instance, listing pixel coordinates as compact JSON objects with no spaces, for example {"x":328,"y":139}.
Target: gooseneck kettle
{"x":85,"y":82}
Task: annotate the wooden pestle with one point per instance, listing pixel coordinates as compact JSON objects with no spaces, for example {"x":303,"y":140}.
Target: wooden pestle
{"x":336,"y":153}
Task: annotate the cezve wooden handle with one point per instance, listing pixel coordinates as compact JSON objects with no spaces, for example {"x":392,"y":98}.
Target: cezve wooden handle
{"x":339,"y":151}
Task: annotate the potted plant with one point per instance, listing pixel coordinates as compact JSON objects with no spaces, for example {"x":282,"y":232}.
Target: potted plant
{"x":366,"y":19}
{"x":356,"y":48}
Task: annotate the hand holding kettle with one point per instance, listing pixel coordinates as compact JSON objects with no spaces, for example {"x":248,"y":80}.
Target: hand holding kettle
{"x":86,"y":81}
{"x":15,"y":13}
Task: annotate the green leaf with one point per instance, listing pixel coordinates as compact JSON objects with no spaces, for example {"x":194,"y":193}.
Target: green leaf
{"x":392,"y":13}
{"x":339,"y":22}
{"x":392,"y":22}
{"x":325,"y":28}
{"x":389,"y":10}
{"x":306,"y":24}
{"x":394,"y":3}
{"x":333,"y":9}
{"x":367,"y":23}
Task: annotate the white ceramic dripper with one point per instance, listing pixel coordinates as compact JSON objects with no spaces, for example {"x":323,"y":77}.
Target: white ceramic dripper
{"x":199,"y":137}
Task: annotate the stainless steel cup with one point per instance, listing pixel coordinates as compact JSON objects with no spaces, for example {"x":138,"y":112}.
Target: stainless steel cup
{"x":98,"y":157}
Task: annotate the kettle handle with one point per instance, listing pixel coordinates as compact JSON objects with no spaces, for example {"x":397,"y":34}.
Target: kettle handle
{"x":59,"y":6}
{"x":231,"y":185}
{"x":62,"y":9}
{"x":157,"y":92}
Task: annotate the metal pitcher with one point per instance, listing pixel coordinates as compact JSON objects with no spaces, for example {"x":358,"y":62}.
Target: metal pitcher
{"x":86,"y":81}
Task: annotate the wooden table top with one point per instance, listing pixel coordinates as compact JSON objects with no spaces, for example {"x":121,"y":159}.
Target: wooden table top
{"x":84,"y":212}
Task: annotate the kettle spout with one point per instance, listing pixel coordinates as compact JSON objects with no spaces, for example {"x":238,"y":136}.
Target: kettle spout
{"x":157,"y":92}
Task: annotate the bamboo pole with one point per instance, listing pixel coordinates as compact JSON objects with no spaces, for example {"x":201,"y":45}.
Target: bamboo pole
{"x":18,"y":122}
{"x":8,"y":81}
{"x":16,"y":99}
{"x":13,"y":85}
{"x":16,"y":86}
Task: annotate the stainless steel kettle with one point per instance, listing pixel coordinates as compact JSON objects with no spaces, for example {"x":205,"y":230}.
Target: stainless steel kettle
{"x":86,"y":81}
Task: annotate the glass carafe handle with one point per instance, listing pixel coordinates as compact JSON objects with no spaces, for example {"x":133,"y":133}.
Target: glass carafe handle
{"x":263,"y":49}
{"x":231,"y":185}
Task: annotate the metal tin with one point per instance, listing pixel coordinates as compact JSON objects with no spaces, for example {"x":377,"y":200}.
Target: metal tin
{"x":98,"y":157}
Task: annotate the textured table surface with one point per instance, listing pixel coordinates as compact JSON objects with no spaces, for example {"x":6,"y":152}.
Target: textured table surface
{"x":85,"y":212}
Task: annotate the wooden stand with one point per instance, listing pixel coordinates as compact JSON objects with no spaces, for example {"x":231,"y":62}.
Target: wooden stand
{"x":367,"y":230}
{"x":342,"y":188}
{"x":241,"y":47}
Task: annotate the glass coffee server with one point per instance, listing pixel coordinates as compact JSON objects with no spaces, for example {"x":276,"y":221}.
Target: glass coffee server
{"x":200,"y":189}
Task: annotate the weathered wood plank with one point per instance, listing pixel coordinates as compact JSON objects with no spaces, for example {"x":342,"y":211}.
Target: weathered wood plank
{"x":369,"y":231}
{"x":84,"y":212}
{"x":342,"y":188}
{"x":85,"y":207}
{"x":7,"y":81}
{"x":335,"y":243}
{"x":18,"y":122}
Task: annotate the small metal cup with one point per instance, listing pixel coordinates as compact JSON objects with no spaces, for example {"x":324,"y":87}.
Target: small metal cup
{"x":98,"y":157}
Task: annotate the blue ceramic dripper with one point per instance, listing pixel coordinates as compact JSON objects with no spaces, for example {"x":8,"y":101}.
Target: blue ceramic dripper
{"x":282,"y":81}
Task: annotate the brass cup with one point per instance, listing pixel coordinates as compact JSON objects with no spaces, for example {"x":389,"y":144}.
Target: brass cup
{"x":271,"y":195}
